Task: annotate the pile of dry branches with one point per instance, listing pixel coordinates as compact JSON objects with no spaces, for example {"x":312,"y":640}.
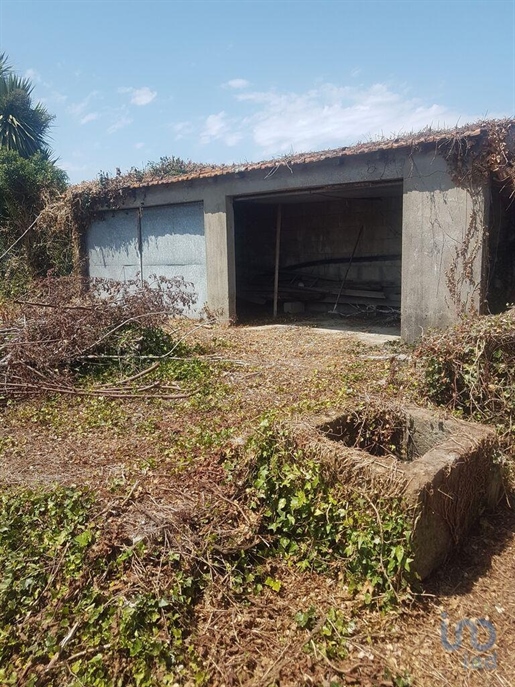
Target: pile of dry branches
{"x":471,"y":368}
{"x":51,"y":336}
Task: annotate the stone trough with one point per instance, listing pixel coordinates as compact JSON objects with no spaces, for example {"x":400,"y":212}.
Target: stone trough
{"x":449,"y":468}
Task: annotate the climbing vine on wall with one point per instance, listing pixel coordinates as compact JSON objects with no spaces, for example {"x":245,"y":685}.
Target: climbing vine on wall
{"x":474,"y":161}
{"x":460,"y":278}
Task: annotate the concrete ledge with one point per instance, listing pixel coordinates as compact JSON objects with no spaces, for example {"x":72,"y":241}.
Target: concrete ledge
{"x":446,"y":468}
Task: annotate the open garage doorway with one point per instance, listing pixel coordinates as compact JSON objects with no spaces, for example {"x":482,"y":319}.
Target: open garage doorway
{"x":326,"y":251}
{"x":500,"y":287}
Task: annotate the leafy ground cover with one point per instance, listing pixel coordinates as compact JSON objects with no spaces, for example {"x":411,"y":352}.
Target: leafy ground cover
{"x":151,"y":541}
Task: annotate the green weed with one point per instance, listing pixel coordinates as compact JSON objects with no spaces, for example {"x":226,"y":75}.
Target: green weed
{"x":76,"y":608}
{"x":188,"y":447}
{"x":319,"y":522}
{"x":330,"y":632}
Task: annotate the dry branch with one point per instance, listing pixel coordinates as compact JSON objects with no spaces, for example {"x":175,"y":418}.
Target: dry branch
{"x":66,"y":324}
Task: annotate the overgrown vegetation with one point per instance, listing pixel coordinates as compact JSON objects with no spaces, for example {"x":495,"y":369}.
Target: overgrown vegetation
{"x":72,"y":212}
{"x":167,"y":167}
{"x":92,"y":594}
{"x":470,"y":368}
{"x":170,"y":569}
{"x":66,"y":328}
{"x":27,"y":185}
{"x":29,"y":182}
{"x":326,"y":523}
{"x":475,"y":162}
{"x":77,"y":606}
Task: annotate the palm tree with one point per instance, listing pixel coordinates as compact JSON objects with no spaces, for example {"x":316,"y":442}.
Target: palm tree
{"x":5,"y":68}
{"x":23,"y":127}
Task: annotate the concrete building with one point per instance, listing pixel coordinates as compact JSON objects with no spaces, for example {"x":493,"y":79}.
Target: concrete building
{"x":414,"y":223}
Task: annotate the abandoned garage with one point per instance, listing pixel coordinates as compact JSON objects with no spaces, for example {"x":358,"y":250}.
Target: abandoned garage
{"x":413,"y":225}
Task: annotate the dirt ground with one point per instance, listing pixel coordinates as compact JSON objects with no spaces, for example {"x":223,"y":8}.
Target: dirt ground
{"x":290,"y":368}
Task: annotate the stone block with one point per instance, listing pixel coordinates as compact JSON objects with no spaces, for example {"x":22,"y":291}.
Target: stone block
{"x":449,"y":469}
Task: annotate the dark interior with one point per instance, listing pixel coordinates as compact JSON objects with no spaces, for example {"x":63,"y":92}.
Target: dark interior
{"x":501,"y":267}
{"x":339,"y":251}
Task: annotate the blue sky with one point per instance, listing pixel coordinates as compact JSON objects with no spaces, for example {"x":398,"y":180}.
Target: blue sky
{"x":130,"y":81}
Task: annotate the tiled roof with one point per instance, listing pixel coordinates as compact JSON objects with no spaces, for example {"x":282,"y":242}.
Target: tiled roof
{"x":210,"y":172}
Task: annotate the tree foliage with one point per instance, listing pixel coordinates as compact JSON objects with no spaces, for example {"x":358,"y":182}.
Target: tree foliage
{"x":29,"y":181}
{"x":24,"y":127}
{"x":26,"y":186}
{"x":23,"y":182}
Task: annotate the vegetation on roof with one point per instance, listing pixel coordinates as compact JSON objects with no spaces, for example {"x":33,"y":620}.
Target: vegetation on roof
{"x":173,"y":168}
{"x":474,"y":154}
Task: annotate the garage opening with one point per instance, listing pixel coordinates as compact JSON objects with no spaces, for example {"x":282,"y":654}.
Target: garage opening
{"x":333,"y":250}
{"x":501,"y":250}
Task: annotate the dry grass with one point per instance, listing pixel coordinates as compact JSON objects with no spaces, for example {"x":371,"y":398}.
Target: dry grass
{"x":157,"y":467}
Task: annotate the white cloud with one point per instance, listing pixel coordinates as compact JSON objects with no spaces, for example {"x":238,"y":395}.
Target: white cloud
{"x":329,"y":116}
{"x":236,"y":83}
{"x":221,"y":127}
{"x":120,"y":123}
{"x":52,"y":95}
{"x":71,"y":167}
{"x":91,"y":117}
{"x":326,"y":116}
{"x":58,"y":97}
{"x":140,"y":96}
{"x":54,"y":98}
{"x":33,"y":75}
{"x":138,"y":146}
{"x":183,"y":130}
{"x":214,"y":126}
{"x":78,"y":109}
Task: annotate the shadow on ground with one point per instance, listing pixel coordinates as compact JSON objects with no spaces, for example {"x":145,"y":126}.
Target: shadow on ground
{"x":473,"y":560}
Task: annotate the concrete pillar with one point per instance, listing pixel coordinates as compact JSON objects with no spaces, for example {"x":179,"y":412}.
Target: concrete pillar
{"x":443,"y":247}
{"x":219,"y":231}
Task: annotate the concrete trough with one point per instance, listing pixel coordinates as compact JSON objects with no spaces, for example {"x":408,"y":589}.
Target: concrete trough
{"x":448,"y":468}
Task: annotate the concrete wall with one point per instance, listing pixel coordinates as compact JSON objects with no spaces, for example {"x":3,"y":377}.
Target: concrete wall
{"x":217,"y":194}
{"x":436,"y":224}
{"x":443,"y":247}
{"x":323,"y":230}
{"x":221,"y":276}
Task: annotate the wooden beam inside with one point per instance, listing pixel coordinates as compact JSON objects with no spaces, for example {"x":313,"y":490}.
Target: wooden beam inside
{"x":277,"y":256}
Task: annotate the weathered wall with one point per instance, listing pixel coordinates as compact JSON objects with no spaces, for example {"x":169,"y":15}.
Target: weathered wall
{"x":442,"y":228}
{"x":311,"y":232}
{"x":219,"y":232}
{"x":443,"y":231}
{"x":217,"y":194}
{"x":167,"y":241}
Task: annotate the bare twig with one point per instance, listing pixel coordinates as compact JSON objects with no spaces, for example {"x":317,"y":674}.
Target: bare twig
{"x":62,"y":644}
